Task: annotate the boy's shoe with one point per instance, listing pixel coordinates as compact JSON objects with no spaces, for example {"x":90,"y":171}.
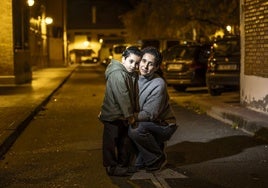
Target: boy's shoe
{"x":158,"y":165}
{"x":132,"y":169}
{"x":117,"y":171}
{"x":141,"y":167}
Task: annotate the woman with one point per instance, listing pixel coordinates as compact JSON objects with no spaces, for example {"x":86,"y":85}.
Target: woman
{"x":155,"y":122}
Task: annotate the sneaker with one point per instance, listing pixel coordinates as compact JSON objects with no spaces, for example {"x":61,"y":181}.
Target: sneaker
{"x":117,"y":171}
{"x":158,"y":165}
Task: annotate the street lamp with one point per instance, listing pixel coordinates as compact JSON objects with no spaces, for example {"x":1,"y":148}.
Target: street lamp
{"x":30,"y":3}
{"x":86,"y":44}
{"x":48,"y":20}
{"x":39,"y":31}
{"x":229,"y":28}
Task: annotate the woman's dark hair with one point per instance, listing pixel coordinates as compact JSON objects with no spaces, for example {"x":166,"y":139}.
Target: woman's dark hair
{"x":132,"y":50}
{"x":158,"y":58}
{"x":153,"y":51}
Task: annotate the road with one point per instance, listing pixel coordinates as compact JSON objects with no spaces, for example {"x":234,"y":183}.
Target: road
{"x":61,"y":147}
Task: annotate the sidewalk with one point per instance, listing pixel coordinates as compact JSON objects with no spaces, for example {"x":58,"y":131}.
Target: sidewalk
{"x":227,"y":108}
{"x":19,"y":104}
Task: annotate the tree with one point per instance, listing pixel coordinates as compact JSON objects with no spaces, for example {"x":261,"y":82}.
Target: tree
{"x":185,"y":19}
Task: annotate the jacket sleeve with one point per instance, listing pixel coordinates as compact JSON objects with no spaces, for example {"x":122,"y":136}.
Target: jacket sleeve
{"x":120,"y":88}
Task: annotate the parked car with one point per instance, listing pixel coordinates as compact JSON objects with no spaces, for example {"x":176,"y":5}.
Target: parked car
{"x":89,"y":59}
{"x":83,"y":56}
{"x":105,"y":55}
{"x":118,"y":49}
{"x":186,"y":65}
{"x":223,"y":71}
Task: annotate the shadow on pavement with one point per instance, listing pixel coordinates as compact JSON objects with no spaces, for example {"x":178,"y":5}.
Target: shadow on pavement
{"x":196,"y":152}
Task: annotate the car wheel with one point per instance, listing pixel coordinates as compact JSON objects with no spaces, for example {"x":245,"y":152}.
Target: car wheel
{"x":213,"y":91}
{"x":180,"y":88}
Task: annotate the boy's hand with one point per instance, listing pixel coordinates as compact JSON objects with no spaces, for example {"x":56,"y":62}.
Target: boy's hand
{"x":131,"y":120}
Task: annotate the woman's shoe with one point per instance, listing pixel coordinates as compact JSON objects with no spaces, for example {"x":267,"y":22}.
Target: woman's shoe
{"x":158,"y":165}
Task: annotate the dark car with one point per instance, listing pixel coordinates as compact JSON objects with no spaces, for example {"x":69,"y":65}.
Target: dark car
{"x":186,"y":65}
{"x":223,"y":71}
{"x":83,"y":56}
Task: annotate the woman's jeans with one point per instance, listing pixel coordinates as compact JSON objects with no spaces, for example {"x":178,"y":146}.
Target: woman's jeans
{"x":149,"y":138}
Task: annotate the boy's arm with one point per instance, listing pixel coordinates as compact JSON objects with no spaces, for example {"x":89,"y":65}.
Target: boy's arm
{"x":121,"y":93}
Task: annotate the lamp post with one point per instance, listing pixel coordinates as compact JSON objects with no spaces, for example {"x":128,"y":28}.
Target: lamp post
{"x":45,"y":21}
{"x":38,"y":33}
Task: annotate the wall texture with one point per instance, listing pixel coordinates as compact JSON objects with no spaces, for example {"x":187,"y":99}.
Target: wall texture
{"x":254,"y":59}
{"x":6,"y":39}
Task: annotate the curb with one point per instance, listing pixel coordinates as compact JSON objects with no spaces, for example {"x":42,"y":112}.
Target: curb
{"x":12,"y":134}
{"x":249,"y":121}
{"x":253,"y":127}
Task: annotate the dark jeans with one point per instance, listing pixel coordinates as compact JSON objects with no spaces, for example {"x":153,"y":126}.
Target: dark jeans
{"x":149,"y":138}
{"x":118,"y":149}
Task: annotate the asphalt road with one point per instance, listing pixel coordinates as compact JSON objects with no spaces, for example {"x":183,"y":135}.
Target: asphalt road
{"x":61,"y":147}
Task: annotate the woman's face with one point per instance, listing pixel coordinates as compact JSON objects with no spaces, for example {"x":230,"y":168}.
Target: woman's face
{"x":147,"y":65}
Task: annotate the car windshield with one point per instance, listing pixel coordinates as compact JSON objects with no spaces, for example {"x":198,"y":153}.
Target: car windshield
{"x":226,"y":48}
{"x":180,"y":52}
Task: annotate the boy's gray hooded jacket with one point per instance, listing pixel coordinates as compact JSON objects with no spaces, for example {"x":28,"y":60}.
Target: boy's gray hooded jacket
{"x":119,"y":99}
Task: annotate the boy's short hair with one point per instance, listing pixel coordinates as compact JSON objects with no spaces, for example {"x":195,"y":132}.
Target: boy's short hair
{"x":132,"y":50}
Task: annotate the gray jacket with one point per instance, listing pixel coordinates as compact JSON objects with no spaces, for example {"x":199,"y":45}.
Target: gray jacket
{"x":119,"y":99}
{"x":153,"y":99}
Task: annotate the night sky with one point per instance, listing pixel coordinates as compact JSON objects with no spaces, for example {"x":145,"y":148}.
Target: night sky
{"x":107,"y":13}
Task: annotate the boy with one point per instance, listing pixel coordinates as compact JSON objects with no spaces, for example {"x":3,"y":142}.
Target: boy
{"x":117,"y":111}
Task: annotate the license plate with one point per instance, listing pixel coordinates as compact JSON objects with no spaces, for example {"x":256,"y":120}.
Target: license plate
{"x":174,"y":67}
{"x":227,"y":67}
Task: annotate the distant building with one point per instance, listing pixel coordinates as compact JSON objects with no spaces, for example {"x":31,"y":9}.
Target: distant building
{"x":96,"y":23}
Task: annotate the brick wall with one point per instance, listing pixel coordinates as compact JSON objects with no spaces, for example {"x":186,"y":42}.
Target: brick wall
{"x":256,"y":38}
{"x":6,"y":39}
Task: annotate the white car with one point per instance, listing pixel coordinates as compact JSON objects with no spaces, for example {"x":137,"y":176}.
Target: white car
{"x":118,"y":49}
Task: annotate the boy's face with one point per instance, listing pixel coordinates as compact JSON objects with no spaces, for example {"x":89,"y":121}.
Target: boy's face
{"x":131,"y":62}
{"x":147,"y":65}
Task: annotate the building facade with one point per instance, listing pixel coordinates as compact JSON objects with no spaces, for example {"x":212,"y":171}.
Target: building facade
{"x":254,"y":55}
{"x":15,"y":53}
{"x":27,"y":41}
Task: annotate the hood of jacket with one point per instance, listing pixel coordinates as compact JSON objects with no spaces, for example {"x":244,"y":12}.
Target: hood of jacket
{"x":114,"y":66}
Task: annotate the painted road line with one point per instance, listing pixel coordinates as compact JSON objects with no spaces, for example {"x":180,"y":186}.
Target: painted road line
{"x":158,"y":178}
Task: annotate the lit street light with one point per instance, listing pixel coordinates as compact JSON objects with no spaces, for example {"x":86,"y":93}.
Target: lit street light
{"x":48,"y":20}
{"x":229,"y":28}
{"x":30,"y":3}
